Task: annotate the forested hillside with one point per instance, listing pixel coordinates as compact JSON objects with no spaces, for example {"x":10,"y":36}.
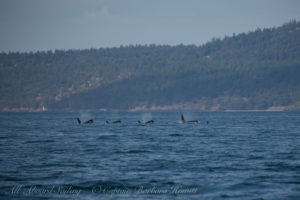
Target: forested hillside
{"x":248,"y":71}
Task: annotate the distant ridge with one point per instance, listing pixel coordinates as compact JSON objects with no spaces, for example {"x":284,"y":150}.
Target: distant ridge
{"x":258,"y":70}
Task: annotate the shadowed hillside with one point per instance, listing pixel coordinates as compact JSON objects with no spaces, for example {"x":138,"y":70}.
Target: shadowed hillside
{"x":248,"y":71}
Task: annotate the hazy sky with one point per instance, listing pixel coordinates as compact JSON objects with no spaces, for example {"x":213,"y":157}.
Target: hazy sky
{"x":31,"y":25}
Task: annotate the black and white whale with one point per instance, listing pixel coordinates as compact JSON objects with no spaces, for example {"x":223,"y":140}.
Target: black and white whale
{"x":86,"y":122}
{"x":147,"y":122}
{"x":114,"y":122}
{"x":188,"y":122}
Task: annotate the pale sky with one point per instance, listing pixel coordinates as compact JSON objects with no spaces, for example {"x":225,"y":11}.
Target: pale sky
{"x":32,"y":25}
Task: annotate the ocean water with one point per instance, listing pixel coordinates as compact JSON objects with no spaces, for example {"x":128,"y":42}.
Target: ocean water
{"x":228,"y":155}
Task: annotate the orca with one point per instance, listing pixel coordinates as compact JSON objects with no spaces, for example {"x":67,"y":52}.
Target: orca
{"x":89,"y":121}
{"x":149,"y":122}
{"x":86,"y":122}
{"x":114,"y":122}
{"x":188,"y":122}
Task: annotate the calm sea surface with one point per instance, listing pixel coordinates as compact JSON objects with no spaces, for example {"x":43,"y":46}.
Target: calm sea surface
{"x":228,"y":155}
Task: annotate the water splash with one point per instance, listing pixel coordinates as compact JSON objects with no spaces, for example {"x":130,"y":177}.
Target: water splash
{"x":84,"y":116}
{"x":146,"y":117}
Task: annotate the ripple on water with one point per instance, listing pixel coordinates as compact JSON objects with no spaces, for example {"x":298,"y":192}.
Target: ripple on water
{"x":235,"y":156}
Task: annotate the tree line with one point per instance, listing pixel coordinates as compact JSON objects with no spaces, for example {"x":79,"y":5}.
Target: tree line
{"x":254,"y":70}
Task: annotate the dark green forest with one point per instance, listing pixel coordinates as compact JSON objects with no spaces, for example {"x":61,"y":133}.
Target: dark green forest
{"x":257,"y":70}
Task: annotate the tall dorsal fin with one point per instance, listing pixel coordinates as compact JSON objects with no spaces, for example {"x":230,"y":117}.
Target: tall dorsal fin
{"x":182,"y":118}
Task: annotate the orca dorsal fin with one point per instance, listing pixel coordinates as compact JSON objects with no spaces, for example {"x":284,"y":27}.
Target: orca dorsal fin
{"x":182,"y":118}
{"x":79,"y":122}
